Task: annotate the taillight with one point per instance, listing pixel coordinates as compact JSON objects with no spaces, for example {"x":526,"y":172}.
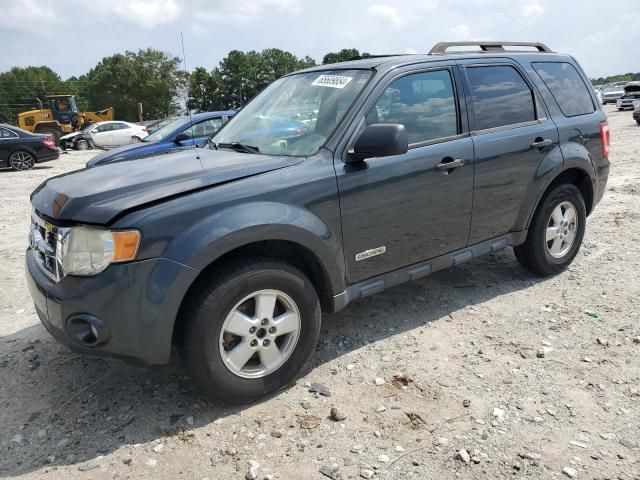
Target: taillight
{"x":49,"y":143}
{"x":605,"y":138}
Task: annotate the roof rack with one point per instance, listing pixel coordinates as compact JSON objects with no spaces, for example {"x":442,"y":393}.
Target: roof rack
{"x":441,"y":48}
{"x":364,"y":57}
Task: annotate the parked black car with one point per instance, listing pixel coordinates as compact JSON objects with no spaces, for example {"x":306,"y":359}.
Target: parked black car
{"x":21,"y":150}
{"x":409,"y":164}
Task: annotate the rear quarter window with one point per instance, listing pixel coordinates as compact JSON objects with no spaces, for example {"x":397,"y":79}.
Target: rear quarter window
{"x":567,"y":87}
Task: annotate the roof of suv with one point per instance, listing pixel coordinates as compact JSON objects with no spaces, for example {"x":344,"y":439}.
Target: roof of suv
{"x":392,"y":61}
{"x":486,"y":50}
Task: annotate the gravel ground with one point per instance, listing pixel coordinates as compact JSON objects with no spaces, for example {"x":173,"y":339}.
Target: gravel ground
{"x":481,"y":371}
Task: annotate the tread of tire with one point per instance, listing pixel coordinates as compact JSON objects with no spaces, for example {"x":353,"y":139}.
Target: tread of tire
{"x":527,"y":254}
{"x":216,"y":288}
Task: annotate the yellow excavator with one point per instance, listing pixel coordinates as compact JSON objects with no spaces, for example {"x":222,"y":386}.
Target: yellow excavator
{"x":59,"y":115}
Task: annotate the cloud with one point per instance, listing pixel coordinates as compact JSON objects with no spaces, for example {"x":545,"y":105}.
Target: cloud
{"x":146,"y":13}
{"x":20,"y":15}
{"x":461,"y":32}
{"x":386,"y":13}
{"x":532,"y":10}
{"x":246,"y":11}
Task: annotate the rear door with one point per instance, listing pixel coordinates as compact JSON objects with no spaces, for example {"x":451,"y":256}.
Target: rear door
{"x":512,"y":136}
{"x":400,"y":210}
{"x":121,"y":134}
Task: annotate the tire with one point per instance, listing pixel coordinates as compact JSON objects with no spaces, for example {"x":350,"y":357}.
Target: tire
{"x":211,"y":351}
{"x":82,"y":144}
{"x":548,"y":257}
{"x":21,"y":160}
{"x":135,"y":139}
{"x":54,"y":132}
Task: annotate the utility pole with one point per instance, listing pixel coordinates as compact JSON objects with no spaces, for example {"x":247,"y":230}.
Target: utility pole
{"x":140,"y":111}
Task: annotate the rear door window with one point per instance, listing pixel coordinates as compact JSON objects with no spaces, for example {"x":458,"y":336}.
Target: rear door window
{"x":500,"y":97}
{"x":567,"y":87}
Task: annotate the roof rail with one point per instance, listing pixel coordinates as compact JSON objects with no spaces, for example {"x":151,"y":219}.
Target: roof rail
{"x":441,"y":48}
{"x":368,"y":55}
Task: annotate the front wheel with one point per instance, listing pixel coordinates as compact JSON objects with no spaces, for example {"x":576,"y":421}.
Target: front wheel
{"x":82,"y":144}
{"x":250,"y":331}
{"x":555,"y":233}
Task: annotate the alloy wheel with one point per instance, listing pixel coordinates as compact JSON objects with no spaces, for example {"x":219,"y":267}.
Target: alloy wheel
{"x":21,"y":160}
{"x":561,"y":229}
{"x":260,"y":333}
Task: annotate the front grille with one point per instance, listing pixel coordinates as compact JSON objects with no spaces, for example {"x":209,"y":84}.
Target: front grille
{"x":46,"y":241}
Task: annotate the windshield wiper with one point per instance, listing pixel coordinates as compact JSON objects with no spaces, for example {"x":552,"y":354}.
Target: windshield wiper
{"x":238,"y":147}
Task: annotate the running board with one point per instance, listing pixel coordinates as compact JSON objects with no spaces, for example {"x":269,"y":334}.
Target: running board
{"x":418,"y":270}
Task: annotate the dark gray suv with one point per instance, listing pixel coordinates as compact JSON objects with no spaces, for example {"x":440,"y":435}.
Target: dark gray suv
{"x":400,"y":166}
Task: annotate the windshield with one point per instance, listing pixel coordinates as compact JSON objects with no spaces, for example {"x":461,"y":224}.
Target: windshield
{"x":295,"y":115}
{"x":165,"y":131}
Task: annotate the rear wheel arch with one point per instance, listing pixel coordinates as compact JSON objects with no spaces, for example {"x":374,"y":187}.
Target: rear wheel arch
{"x":574,"y":176}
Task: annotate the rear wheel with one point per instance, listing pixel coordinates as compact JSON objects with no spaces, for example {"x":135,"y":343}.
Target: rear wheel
{"x":556,"y":232}
{"x":54,"y":132}
{"x":135,"y":139}
{"x":250,"y":331}
{"x":21,"y":160}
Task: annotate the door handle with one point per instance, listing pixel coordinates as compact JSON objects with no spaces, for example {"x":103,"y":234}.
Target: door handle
{"x":449,"y":164}
{"x":541,"y":143}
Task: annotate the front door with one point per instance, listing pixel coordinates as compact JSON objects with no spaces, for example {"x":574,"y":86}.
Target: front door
{"x":401,"y":210}
{"x":512,"y":136}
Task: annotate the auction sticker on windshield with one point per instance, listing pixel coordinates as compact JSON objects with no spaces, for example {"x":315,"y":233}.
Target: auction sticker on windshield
{"x":332,"y":81}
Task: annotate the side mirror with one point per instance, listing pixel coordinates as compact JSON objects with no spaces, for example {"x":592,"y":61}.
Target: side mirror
{"x":380,"y":140}
{"x":181,"y":137}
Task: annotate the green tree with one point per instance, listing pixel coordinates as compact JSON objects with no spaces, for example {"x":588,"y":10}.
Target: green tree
{"x":122,"y":80}
{"x":627,"y":77}
{"x":20,"y":87}
{"x":342,"y":56}
{"x":239,"y":77}
{"x":206,"y":91}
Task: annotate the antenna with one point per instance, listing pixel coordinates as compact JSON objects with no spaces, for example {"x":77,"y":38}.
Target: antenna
{"x":186,"y":74}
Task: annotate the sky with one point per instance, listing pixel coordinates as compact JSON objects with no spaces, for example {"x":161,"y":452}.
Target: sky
{"x":71,"y":36}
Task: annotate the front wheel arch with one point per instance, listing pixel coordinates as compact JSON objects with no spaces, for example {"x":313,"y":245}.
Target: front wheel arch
{"x":297,"y":255}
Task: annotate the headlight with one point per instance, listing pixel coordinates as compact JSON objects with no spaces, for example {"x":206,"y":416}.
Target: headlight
{"x":88,"y":251}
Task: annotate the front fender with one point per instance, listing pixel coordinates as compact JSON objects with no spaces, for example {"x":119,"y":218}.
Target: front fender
{"x":223,"y":231}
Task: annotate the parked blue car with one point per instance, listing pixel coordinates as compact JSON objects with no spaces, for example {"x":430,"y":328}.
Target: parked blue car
{"x":181,"y":132}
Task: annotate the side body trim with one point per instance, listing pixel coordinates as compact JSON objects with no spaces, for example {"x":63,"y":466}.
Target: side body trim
{"x":412,"y":272}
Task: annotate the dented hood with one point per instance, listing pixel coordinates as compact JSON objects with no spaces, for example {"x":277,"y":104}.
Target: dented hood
{"x":96,"y":195}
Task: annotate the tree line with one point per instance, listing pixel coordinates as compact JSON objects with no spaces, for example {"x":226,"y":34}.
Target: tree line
{"x":627,"y":77}
{"x":156,"y":80}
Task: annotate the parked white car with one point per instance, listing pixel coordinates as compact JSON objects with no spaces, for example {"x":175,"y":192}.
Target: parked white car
{"x":115,"y":134}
